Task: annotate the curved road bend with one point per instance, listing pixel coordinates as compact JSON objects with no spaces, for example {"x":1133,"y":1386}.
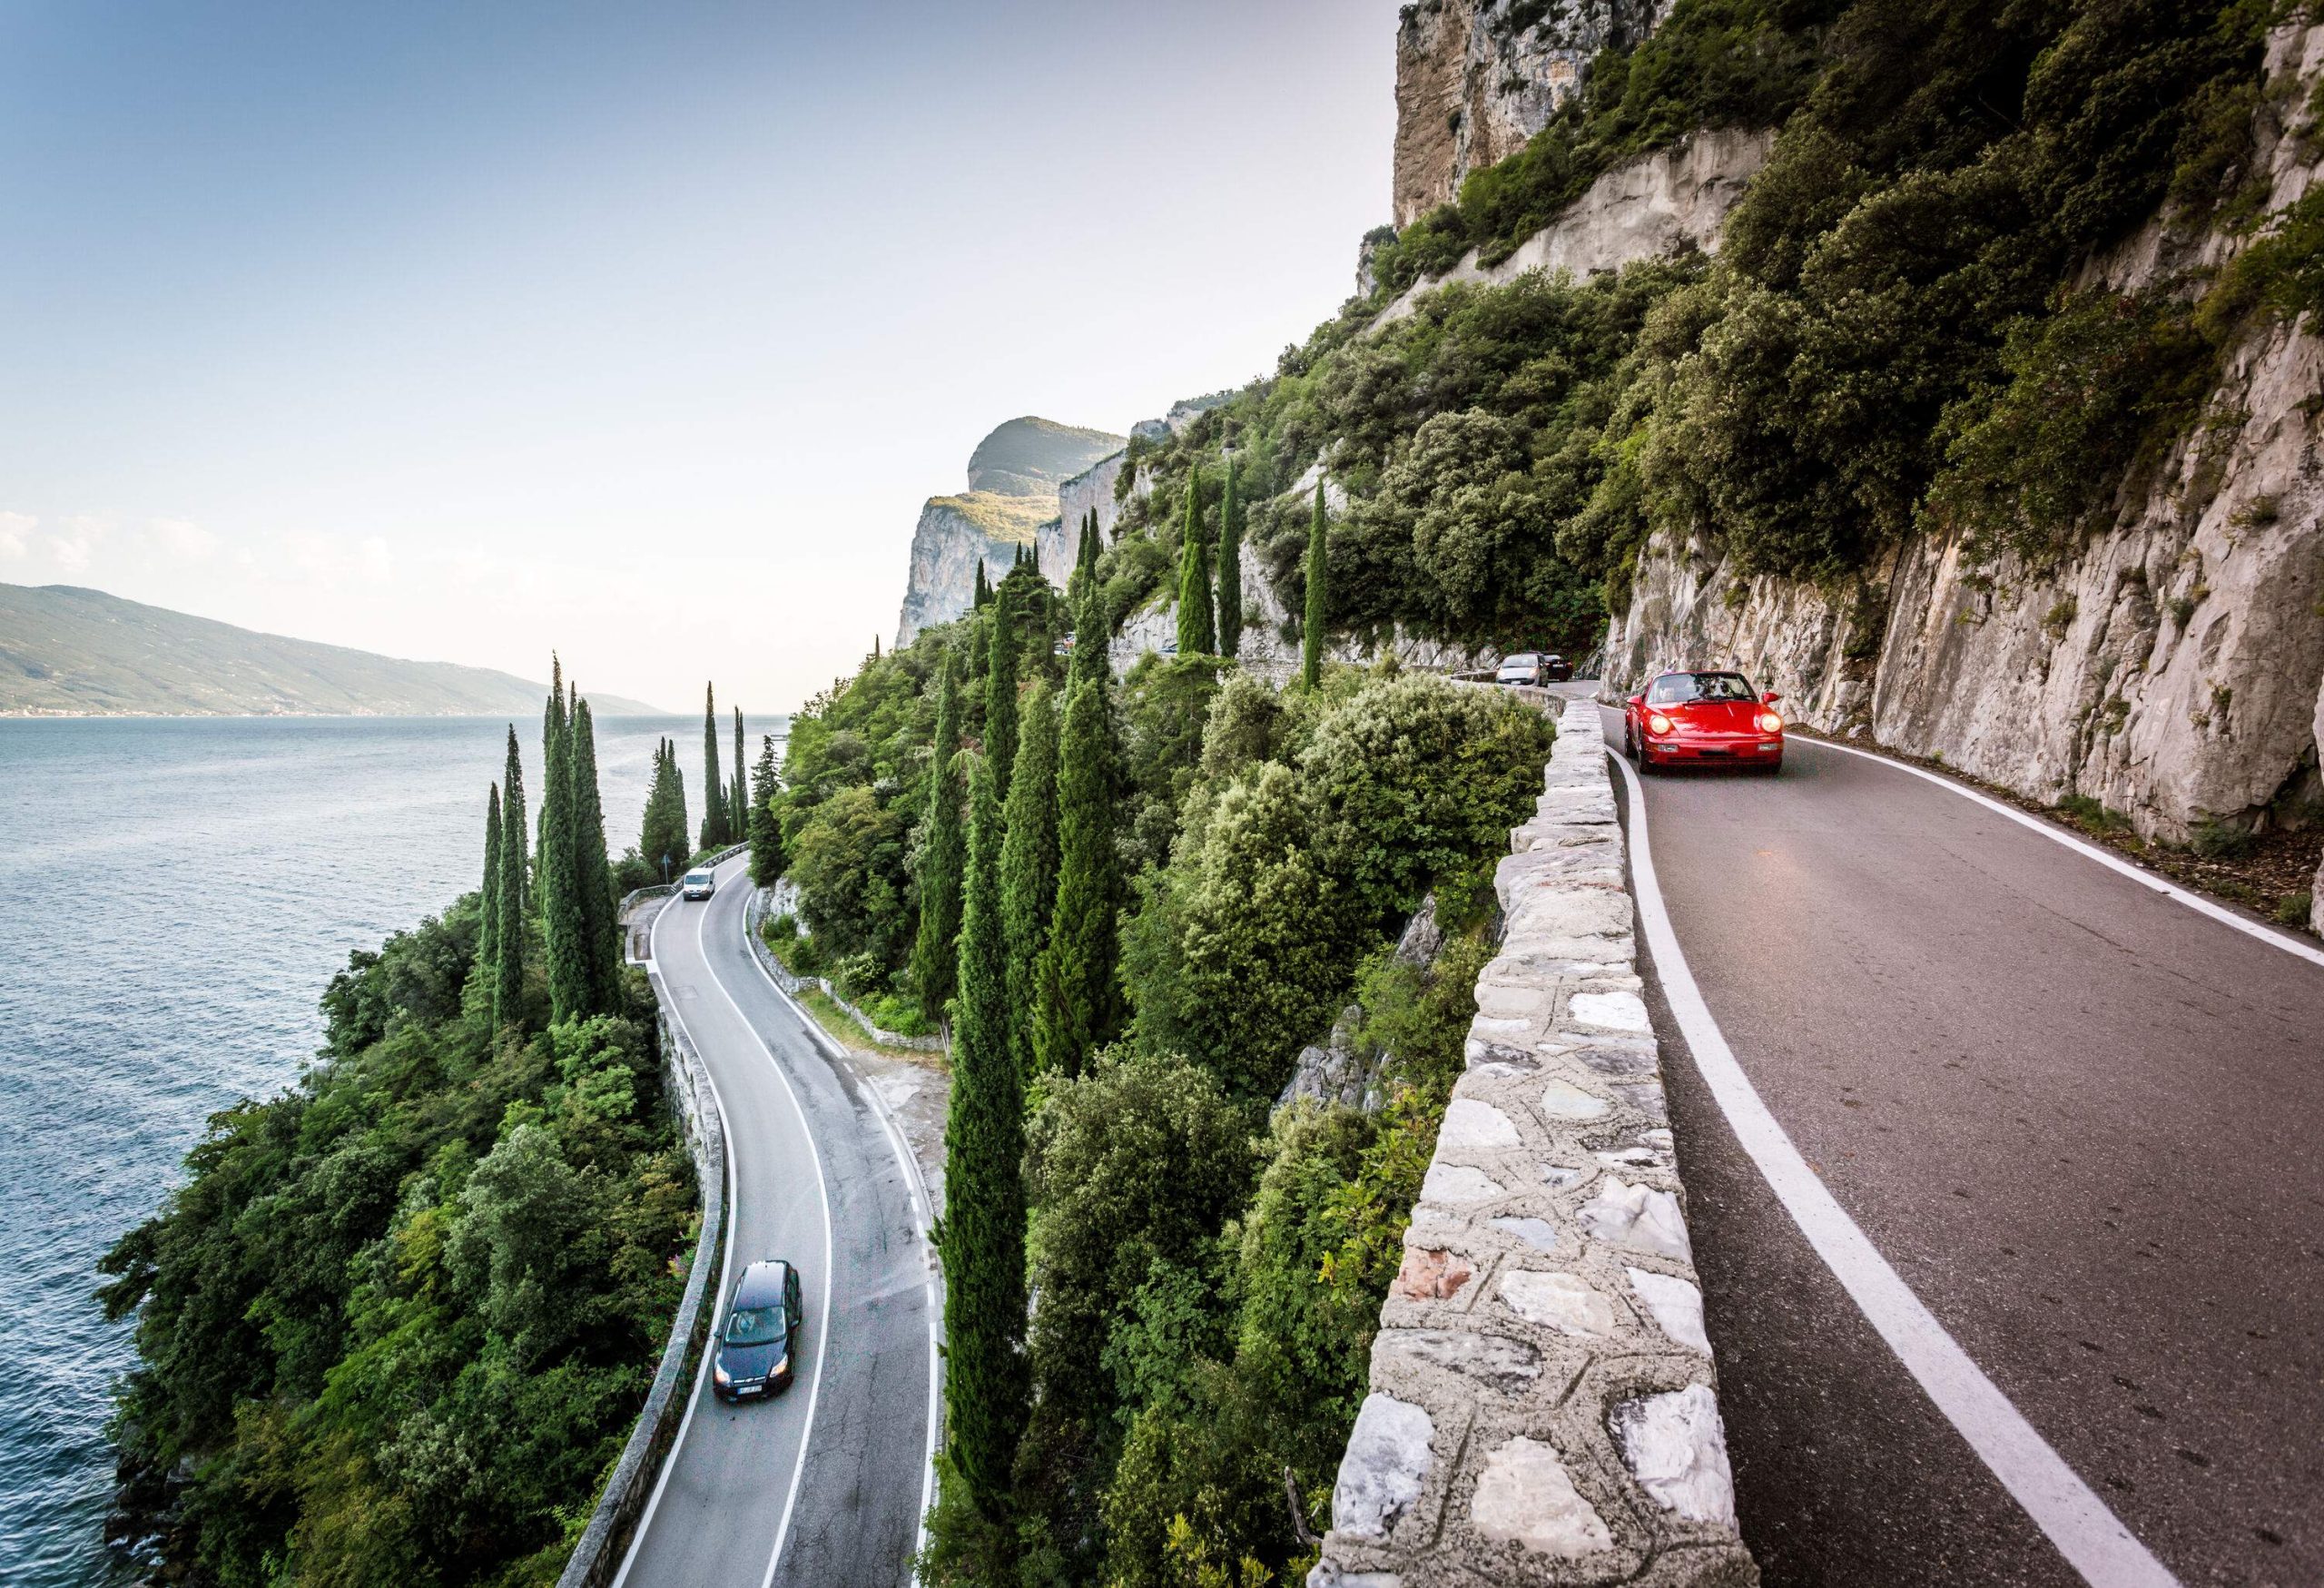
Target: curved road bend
{"x":831,"y":1474}
{"x":2084,"y":1124}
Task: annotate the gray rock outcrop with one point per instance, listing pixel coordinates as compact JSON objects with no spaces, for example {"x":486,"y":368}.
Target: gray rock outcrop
{"x":1664,"y":202}
{"x":1014,"y":476}
{"x":1476,"y":78}
{"x":2172,"y":667}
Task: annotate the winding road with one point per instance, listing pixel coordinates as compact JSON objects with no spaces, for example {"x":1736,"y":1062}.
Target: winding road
{"x":824,"y":1485}
{"x":2078,"y":1123}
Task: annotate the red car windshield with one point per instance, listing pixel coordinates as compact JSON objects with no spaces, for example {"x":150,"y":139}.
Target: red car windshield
{"x":1682,"y":688}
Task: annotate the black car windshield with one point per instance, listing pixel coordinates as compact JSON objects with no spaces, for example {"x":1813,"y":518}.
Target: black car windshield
{"x":754,"y":1326}
{"x":1678,"y":688}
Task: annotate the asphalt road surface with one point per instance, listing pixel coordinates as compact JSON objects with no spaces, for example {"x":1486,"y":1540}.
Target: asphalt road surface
{"x":2084,"y":1123}
{"x":823,"y":1485}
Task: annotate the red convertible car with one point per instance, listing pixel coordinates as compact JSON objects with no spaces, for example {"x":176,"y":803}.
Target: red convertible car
{"x":1703,"y":718}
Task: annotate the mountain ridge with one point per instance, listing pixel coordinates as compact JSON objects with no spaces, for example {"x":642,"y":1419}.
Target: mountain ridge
{"x":66,"y":650}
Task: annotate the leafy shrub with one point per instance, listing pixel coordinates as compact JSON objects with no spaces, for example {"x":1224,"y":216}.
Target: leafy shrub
{"x":398,"y":1320}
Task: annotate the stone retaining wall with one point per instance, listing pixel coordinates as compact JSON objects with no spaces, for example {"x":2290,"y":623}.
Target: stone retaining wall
{"x":598,"y":1555}
{"x":791,"y":982}
{"x":1543,"y":1407}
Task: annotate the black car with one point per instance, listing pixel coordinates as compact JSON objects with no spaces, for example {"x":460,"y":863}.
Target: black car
{"x":1557,"y":669}
{"x":758,"y":1344}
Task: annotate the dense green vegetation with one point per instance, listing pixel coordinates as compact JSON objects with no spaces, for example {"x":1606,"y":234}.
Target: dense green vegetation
{"x":1172,"y":883}
{"x":397,"y":1324}
{"x":1894,"y":338}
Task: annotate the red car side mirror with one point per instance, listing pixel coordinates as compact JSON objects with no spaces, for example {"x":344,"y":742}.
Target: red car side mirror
{"x":1638,"y":700}
{"x":1770,"y":697}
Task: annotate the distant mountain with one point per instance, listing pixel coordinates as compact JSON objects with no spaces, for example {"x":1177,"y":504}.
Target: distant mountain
{"x":71,"y":652}
{"x":1013,"y":479}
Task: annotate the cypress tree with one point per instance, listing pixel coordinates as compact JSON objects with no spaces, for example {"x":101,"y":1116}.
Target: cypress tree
{"x":1076,"y":1006}
{"x":661,"y":836}
{"x":600,"y":926}
{"x":1230,"y":569}
{"x":1091,"y":637}
{"x":509,"y":933}
{"x":1196,"y":636}
{"x":1028,"y":857}
{"x":1311,"y":635}
{"x":738,"y":825}
{"x":713,"y":803}
{"x":984,"y":590}
{"x":1000,"y":687}
{"x":986,"y":1377}
{"x":562,"y":928}
{"x":935,"y":951}
{"x":489,"y":896}
{"x":765,"y":831}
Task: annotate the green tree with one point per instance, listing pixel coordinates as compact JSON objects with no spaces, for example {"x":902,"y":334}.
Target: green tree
{"x":563,"y":931}
{"x":1230,"y":568}
{"x":714,"y":799}
{"x":984,"y":1201}
{"x":509,"y":938}
{"x":1077,"y":1006}
{"x":1028,"y":857}
{"x":1197,"y":636}
{"x":765,"y":831}
{"x":1311,"y":629}
{"x":664,"y":837}
{"x":935,"y":953}
{"x":600,"y":926}
{"x":1092,"y":636}
{"x":1000,"y":685}
{"x":738,"y":801}
{"x":489,"y":896}
{"x":984,"y":589}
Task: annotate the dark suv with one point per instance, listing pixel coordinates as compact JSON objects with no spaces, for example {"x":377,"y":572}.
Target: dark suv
{"x":757,"y":1351}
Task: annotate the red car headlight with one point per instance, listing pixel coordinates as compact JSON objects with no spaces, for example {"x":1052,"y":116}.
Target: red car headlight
{"x":1770,"y":723}
{"x":1656,"y":722}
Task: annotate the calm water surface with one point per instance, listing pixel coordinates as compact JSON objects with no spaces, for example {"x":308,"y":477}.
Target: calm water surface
{"x":175,"y":894}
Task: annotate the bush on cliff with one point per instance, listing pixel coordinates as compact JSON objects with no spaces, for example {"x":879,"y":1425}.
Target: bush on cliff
{"x":398,"y":1320}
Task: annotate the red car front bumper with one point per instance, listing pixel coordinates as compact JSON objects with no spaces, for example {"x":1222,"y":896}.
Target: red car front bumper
{"x":1759,"y":749}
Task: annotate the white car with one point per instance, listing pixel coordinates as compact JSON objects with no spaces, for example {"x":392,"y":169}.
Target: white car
{"x":700,"y":882}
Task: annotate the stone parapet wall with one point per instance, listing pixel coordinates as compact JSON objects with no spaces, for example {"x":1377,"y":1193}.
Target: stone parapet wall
{"x":1543,"y":1405}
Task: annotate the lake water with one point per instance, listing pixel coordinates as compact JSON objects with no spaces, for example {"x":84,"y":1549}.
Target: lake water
{"x":175,"y":894}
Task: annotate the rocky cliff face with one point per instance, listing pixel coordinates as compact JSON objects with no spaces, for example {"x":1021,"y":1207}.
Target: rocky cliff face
{"x":2172,"y":669}
{"x":1014,"y":476}
{"x":1675,"y":199}
{"x":1476,"y":78}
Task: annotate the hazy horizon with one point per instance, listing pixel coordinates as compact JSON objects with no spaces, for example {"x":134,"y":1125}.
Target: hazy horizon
{"x":451,"y":335}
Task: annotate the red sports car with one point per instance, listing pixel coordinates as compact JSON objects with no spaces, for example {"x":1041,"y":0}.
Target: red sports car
{"x":1706,"y":718}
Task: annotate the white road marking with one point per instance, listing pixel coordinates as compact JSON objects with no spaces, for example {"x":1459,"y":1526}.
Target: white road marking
{"x":923,"y":1215}
{"x":2091,"y":1537}
{"x":2104,"y":857}
{"x":714,"y":1300}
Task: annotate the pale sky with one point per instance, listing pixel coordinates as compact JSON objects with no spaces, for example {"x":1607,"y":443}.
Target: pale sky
{"x":460,"y":331}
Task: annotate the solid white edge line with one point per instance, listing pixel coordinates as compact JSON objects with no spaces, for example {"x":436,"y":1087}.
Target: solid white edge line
{"x":725,"y":1274}
{"x":2104,"y":857}
{"x":823,"y":1194}
{"x":2089,"y":1536}
{"x":924,"y":1215}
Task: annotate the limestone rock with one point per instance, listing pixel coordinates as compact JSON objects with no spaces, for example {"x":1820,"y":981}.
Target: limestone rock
{"x":1013,"y":479}
{"x":1472,"y":88}
{"x":1637,"y":1216}
{"x":1387,"y":1460}
{"x":1526,"y":1496}
{"x":1676,"y":1447}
